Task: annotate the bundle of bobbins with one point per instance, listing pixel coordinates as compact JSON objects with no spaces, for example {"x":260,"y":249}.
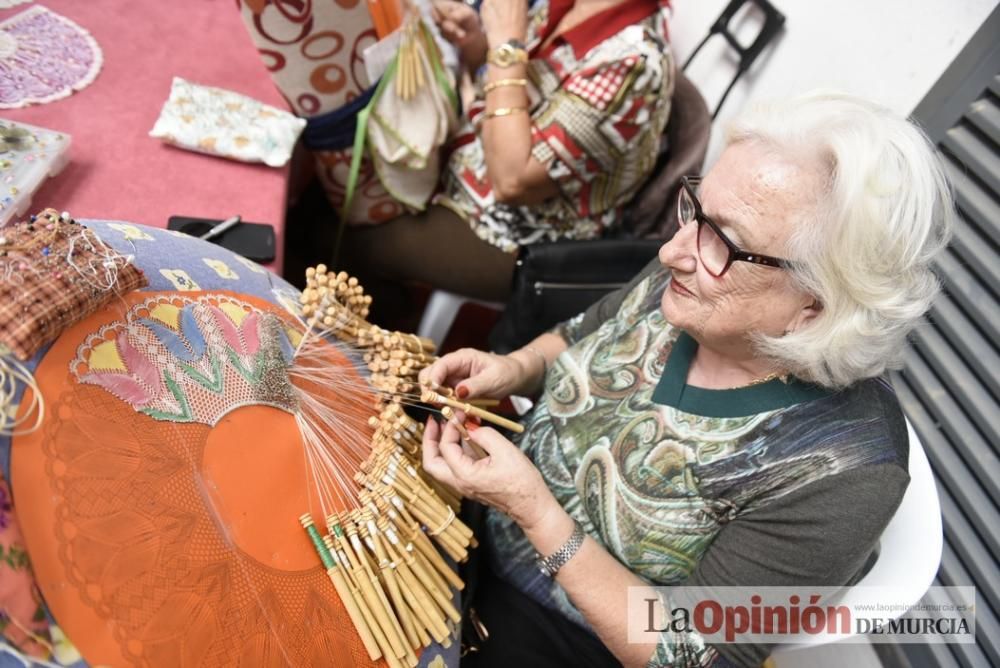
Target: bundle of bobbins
{"x":385,"y":557}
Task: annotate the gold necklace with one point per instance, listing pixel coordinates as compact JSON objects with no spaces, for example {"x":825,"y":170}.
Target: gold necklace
{"x":760,"y":381}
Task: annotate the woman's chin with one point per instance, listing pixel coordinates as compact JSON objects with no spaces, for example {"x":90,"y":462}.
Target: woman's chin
{"x":670,"y":308}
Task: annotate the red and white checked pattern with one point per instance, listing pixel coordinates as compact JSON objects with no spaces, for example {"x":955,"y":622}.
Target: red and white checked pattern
{"x":599,"y":86}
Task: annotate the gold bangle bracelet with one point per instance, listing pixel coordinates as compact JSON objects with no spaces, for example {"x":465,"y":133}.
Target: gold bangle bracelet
{"x":493,"y":85}
{"x":504,"y":111}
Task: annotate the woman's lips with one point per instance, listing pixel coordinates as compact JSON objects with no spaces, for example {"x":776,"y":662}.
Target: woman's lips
{"x":680,"y":289}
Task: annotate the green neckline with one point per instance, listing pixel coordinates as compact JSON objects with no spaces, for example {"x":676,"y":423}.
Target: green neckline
{"x":673,"y":390}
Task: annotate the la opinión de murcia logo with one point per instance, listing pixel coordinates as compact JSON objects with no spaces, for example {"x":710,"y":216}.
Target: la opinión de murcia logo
{"x":734,"y":615}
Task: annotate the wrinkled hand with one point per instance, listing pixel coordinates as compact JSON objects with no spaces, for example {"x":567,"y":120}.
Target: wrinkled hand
{"x":477,"y":374}
{"x":459,"y":24}
{"x":504,"y":20}
{"x":505,"y":480}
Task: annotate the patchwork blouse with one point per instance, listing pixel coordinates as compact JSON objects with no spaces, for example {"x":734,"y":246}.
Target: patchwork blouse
{"x":599,"y":101}
{"x":695,"y":486}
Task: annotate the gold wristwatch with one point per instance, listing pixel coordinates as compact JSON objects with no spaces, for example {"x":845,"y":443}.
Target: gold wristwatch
{"x":509,"y":53}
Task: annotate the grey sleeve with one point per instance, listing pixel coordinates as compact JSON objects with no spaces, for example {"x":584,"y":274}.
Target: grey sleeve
{"x":822,"y":534}
{"x":589,"y":321}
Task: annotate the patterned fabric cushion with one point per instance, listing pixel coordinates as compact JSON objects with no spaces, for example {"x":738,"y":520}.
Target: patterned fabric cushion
{"x":39,"y":297}
{"x":221,"y":122}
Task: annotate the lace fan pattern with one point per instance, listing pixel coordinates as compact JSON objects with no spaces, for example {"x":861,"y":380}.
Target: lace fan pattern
{"x":183,"y":360}
{"x":44,"y":57}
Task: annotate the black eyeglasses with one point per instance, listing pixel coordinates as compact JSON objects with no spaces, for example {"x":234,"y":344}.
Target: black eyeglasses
{"x":715,"y":250}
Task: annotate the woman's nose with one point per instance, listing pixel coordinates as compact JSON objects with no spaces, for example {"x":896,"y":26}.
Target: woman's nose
{"x":680,"y":252}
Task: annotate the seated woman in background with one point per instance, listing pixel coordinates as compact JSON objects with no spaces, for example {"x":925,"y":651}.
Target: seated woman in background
{"x":725,"y":419}
{"x":572,"y":98}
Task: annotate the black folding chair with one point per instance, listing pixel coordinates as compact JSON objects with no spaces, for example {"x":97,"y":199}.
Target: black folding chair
{"x":774,"y":22}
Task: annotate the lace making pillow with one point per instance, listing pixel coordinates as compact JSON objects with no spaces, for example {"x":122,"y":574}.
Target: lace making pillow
{"x":53,"y":273}
{"x":227,"y":124}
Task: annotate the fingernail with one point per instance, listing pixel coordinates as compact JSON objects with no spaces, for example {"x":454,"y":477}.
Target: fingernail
{"x":471,"y":426}
{"x":462,"y":391}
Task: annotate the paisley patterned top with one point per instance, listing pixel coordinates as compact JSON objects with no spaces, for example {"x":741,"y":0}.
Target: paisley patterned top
{"x":663,"y":475}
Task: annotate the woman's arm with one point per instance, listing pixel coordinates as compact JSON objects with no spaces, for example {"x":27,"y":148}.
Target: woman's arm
{"x":537,"y":357}
{"x":516,"y":176}
{"x":595,"y":581}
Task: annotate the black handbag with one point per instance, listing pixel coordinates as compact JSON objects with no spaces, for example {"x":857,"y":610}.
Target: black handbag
{"x":555,"y":281}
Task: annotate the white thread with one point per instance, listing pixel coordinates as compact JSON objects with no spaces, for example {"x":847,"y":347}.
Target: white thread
{"x":13,"y":372}
{"x":100,"y":272}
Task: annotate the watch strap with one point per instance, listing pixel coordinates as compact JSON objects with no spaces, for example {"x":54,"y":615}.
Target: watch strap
{"x":551,"y":564}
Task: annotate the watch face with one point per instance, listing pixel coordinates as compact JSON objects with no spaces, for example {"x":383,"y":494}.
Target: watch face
{"x":509,"y":53}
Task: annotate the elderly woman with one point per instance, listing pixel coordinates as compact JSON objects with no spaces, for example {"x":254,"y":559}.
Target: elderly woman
{"x":571,"y":100}
{"x":725,"y":419}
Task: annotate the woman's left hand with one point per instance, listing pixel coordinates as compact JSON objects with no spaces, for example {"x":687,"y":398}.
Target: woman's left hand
{"x":506,"y":479}
{"x":504,"y":20}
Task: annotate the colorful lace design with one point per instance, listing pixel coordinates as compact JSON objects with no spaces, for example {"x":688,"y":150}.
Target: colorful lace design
{"x":191,"y":360}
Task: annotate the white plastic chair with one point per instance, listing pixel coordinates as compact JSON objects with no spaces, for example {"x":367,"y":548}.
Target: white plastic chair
{"x":440,"y":312}
{"x":909,"y":549}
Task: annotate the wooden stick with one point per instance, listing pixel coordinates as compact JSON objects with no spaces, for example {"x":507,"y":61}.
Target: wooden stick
{"x":431,"y":397}
{"x":409,"y":529}
{"x":483,"y":403}
{"x":347,"y":597}
{"x":409,"y":560}
{"x":422,"y":625}
{"x":449,"y":414}
{"x":369,"y":607}
{"x":430,"y":615}
{"x":403,"y":613}
{"x":422,"y":604}
{"x":372,"y":591}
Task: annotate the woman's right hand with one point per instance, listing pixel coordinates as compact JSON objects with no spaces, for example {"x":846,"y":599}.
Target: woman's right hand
{"x":460,"y":25}
{"x":477,"y":374}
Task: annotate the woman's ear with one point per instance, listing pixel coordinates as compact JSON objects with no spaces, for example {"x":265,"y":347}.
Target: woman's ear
{"x":805,"y":315}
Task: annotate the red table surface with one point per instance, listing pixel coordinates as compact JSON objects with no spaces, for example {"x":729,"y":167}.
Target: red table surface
{"x":116,"y":170}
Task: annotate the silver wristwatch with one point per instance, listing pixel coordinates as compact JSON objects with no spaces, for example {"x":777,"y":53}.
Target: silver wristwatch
{"x":551,"y":564}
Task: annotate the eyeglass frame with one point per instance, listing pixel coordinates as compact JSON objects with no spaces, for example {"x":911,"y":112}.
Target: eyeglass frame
{"x":736,"y":254}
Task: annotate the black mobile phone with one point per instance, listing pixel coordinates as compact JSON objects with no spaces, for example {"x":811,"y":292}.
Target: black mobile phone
{"x":254,"y":241}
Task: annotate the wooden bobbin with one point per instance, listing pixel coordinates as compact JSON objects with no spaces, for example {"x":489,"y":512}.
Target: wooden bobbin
{"x":403,"y":615}
{"x":394,"y":631}
{"x":372,"y":593}
{"x":410,"y":529}
{"x":449,"y":415}
{"x":432,"y":586}
{"x":349,"y":598}
{"x":431,"y":397}
{"x":418,"y":597}
{"x":353,"y":592}
{"x":427,"y":495}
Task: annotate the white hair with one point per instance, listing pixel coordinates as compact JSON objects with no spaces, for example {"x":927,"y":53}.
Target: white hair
{"x":886,"y":210}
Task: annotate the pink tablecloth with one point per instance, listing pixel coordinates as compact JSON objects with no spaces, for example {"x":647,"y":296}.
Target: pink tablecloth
{"x":116,"y":170}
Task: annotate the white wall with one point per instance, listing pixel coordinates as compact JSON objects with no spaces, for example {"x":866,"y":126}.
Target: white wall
{"x":891,"y":51}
